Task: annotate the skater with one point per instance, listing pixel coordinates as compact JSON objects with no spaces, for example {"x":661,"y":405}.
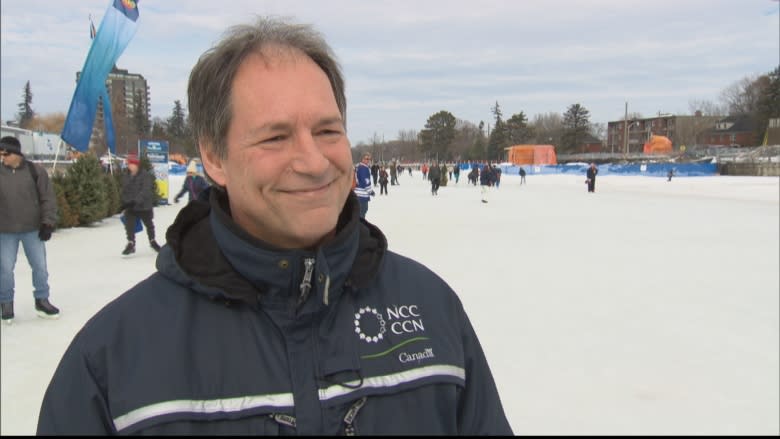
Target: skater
{"x":434,"y":175}
{"x":456,"y":172}
{"x":28,"y":215}
{"x":193,"y":184}
{"x":591,"y":177}
{"x":138,"y":200}
{"x":670,"y":174}
{"x":486,"y":180}
{"x":522,"y":175}
{"x":363,"y":189}
{"x":276,"y":309}
{"x":382,"y":181}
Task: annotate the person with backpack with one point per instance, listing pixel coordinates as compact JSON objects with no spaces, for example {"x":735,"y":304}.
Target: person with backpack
{"x":28,"y":215}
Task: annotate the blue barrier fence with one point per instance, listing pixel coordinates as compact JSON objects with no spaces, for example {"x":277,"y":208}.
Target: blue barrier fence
{"x":647,"y":169}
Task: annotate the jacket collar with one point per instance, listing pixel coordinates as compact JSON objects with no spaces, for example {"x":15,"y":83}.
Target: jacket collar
{"x":213,"y":255}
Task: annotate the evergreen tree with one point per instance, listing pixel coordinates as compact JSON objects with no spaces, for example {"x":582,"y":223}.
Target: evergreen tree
{"x":768,"y":103}
{"x":65,"y":216}
{"x":517,"y":129}
{"x":112,"y":195}
{"x":498,"y":138}
{"x":26,"y":112}
{"x":497,"y":141}
{"x":177,"y":122}
{"x":85,"y":189}
{"x":576,"y":125}
{"x":140,"y":120}
{"x":437,"y":135}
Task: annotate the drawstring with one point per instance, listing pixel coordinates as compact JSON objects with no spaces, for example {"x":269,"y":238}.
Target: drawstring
{"x":327,"y":290}
{"x":349,"y":418}
{"x":348,"y":386}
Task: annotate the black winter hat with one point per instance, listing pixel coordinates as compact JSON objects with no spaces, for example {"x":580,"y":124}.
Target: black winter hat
{"x":11,"y":144}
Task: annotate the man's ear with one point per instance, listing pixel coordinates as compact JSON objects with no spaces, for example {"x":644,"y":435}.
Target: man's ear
{"x":212,"y":163}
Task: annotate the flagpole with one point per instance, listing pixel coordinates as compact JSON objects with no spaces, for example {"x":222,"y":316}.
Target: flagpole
{"x":56,"y":157}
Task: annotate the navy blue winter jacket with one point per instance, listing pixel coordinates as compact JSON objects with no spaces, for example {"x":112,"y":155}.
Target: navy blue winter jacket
{"x":232,"y":336}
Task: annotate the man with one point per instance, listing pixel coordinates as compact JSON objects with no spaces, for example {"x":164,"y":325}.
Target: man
{"x":275,"y":308}
{"x":28,"y":214}
{"x":138,"y":200}
{"x":363,"y":189}
{"x":486,"y":180}
{"x":522,"y":175}
{"x":591,"y":177}
{"x":434,"y":175}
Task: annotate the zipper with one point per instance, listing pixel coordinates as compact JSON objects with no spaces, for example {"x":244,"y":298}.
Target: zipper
{"x":349,"y":418}
{"x":308,"y":264}
{"x":283,"y":419}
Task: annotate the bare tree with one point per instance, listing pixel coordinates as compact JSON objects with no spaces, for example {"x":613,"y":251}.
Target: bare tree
{"x":742,"y":96}
{"x":706,"y":108}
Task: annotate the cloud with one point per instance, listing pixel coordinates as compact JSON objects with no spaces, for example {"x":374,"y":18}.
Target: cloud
{"x":405,"y":60}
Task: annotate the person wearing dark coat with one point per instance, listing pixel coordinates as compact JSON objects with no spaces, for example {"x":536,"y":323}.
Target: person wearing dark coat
{"x":382,"y":181}
{"x":486,"y":180}
{"x":591,"y":177}
{"x":275,"y":308}
{"x":28,"y":216}
{"x":434,"y":175}
{"x":138,"y":200}
{"x":375,"y":173}
{"x":522,"y":175}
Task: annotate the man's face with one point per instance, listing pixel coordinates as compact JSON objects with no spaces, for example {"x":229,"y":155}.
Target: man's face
{"x":12,"y":160}
{"x":288,"y":170}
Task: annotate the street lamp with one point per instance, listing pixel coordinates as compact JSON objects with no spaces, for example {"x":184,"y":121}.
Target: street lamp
{"x":628,"y":129}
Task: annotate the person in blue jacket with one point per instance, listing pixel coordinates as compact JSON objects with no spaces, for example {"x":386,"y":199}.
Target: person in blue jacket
{"x":275,"y":310}
{"x":363,"y":189}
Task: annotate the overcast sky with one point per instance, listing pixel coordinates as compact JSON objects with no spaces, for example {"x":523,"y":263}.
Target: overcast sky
{"x":406,"y":60}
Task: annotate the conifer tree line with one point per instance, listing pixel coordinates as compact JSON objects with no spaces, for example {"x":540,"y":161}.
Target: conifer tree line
{"x":444,"y":136}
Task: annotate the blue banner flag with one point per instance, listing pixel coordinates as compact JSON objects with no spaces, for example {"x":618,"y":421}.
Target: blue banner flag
{"x":115,"y":32}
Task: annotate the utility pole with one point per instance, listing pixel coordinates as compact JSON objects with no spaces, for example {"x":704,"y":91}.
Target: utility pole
{"x":625,"y":131}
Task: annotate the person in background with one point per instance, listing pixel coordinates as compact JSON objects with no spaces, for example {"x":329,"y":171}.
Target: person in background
{"x":193,"y":184}
{"x":486,"y":180}
{"x":375,"y":173}
{"x":434,"y":175}
{"x":670,"y":174}
{"x":591,"y":177}
{"x":138,"y":200}
{"x":522,"y":175}
{"x":28,"y":215}
{"x":276,"y":309}
{"x":456,"y":172}
{"x":383,"y":181}
{"x":363,"y":188}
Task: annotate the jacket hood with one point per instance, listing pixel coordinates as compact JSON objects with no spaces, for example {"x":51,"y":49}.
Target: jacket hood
{"x":209,"y":253}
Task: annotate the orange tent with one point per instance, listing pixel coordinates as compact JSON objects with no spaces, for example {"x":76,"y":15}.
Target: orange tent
{"x":531,"y":155}
{"x":658,"y":145}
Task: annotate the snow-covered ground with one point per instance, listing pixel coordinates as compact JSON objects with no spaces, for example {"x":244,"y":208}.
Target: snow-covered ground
{"x":649,"y":307}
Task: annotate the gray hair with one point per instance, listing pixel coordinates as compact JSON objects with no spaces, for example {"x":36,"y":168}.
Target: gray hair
{"x":211,"y":80}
